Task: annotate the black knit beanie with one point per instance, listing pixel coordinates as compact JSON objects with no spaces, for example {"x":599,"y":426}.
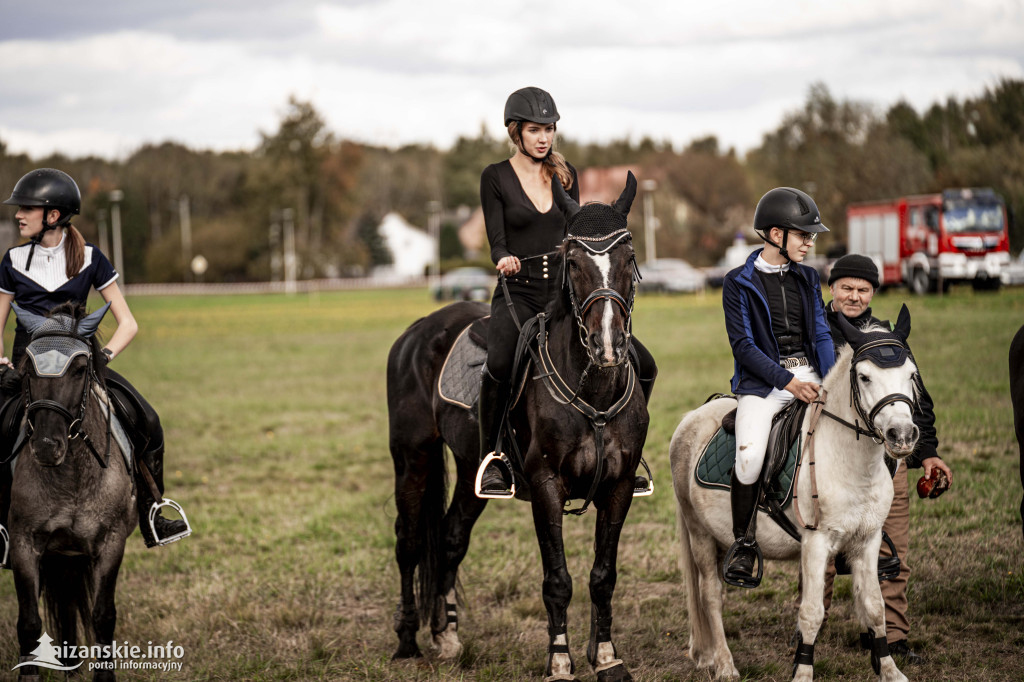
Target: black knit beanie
{"x":854,"y":265}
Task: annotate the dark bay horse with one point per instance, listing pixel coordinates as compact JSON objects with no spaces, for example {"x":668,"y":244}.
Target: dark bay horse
{"x":582,"y":446}
{"x":73,"y":500}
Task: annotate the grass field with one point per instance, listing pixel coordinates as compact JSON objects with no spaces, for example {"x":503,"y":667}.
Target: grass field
{"x":276,"y":425}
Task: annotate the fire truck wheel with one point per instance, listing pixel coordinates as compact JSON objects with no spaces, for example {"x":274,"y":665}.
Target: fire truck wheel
{"x":920,"y":283}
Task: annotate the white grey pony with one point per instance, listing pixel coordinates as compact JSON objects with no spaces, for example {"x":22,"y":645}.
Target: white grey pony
{"x":873,"y":388}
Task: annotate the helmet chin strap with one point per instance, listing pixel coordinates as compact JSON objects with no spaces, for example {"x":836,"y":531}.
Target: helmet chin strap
{"x":783,"y":251}
{"x":61,"y":223}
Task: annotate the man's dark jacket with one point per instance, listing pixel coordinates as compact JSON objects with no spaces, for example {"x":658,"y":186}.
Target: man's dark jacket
{"x":924,"y":418}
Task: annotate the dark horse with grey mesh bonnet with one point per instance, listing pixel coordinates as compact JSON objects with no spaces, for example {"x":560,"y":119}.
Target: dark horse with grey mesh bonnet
{"x":581,"y":423}
{"x":73,"y":500}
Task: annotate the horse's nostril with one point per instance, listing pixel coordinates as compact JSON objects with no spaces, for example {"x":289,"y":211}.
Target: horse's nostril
{"x":892,"y":435}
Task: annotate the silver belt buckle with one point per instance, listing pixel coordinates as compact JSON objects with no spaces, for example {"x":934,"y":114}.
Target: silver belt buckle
{"x":793,"y":363}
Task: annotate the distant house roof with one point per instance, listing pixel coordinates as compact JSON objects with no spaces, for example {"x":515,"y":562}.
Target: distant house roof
{"x":604,"y":184}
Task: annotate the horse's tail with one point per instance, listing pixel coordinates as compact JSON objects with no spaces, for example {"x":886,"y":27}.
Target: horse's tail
{"x":67,"y":588}
{"x":433,"y":507}
{"x":700,"y":622}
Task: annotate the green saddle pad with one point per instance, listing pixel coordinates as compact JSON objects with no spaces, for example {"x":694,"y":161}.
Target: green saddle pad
{"x":715,"y":466}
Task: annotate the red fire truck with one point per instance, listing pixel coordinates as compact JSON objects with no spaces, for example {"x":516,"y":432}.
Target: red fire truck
{"x":933,"y":240}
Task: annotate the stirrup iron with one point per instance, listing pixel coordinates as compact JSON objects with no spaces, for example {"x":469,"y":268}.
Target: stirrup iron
{"x":6,"y":539}
{"x":738,"y":580}
{"x":154,"y":509}
{"x":477,"y":484}
{"x":649,"y":488}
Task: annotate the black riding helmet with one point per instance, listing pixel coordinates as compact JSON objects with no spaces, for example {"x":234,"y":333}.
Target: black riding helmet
{"x":49,"y":188}
{"x":531,"y":104}
{"x":788,"y":209}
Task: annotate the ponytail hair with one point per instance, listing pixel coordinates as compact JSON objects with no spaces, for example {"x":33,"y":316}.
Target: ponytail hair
{"x":554,"y":162}
{"x":74,"y":251}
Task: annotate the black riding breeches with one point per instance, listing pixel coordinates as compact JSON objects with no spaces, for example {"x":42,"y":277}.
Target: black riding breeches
{"x":529,"y":297}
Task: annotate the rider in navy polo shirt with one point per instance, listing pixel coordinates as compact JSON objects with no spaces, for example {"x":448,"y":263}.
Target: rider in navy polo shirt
{"x":58,"y":266}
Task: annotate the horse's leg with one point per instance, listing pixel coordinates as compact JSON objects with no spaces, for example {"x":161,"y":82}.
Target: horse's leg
{"x":547,"y":503}
{"x":870,"y":608}
{"x":709,"y":648}
{"x":465,"y":509}
{"x":104,"y":611}
{"x":25,"y":561}
{"x":412,"y":478}
{"x":813,"y":560}
{"x":610,"y":517}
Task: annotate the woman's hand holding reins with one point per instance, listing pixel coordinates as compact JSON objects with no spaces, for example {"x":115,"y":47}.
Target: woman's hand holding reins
{"x":509,"y":265}
{"x":806,"y":391}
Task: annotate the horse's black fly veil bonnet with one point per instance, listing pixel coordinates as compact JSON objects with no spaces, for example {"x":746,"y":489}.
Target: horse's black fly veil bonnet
{"x":598,"y":228}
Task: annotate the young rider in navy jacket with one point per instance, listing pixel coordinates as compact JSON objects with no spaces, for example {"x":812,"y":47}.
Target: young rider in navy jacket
{"x":781,"y":346}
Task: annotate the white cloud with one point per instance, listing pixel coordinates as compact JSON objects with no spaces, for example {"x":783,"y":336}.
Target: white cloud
{"x":401,"y":71}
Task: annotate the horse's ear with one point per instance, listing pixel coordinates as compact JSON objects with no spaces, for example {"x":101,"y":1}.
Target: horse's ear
{"x":566,"y":204}
{"x":625,"y":199}
{"x":88,"y":325}
{"x":29,"y":320}
{"x":902,"y":328}
{"x":855,"y":337}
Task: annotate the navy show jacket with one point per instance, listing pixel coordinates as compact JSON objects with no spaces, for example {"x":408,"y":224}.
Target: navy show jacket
{"x":749,"y":326}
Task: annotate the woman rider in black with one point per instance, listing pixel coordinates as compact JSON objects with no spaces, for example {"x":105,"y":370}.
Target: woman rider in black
{"x":524,"y":228}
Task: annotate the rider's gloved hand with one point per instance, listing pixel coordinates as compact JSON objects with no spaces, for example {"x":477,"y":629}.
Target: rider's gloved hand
{"x":10,"y":380}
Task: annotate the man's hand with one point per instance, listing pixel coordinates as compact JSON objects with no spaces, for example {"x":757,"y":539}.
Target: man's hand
{"x":806,"y":391}
{"x":936,"y":463}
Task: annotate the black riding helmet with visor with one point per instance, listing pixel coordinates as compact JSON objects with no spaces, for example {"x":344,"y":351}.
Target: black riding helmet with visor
{"x":787,"y":209}
{"x":531,"y":105}
{"x":49,"y":189}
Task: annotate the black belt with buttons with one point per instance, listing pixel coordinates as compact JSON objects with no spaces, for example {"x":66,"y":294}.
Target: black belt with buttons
{"x":543,"y":267}
{"x":793,"y":363}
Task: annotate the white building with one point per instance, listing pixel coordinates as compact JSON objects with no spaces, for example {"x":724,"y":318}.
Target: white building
{"x":412,"y":249}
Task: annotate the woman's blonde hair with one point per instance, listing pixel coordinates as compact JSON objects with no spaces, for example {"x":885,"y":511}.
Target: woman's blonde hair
{"x":554,"y":163}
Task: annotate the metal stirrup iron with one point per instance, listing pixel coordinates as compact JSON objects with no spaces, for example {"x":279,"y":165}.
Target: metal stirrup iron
{"x":159,"y":504}
{"x":478,"y":483}
{"x":6,"y":539}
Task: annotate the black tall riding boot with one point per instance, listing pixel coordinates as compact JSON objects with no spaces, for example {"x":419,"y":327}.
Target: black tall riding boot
{"x":494,"y":478}
{"x":743,"y":555}
{"x":167,"y":530}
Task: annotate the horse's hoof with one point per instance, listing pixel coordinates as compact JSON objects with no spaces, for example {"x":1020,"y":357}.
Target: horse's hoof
{"x":616,"y":673}
{"x":406,"y":651}
{"x":447,"y":645}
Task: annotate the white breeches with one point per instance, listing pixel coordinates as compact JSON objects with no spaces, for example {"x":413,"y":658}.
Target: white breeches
{"x":754,"y":423}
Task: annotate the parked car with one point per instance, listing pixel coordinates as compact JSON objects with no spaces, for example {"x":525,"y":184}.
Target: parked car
{"x":670,"y":275}
{"x":465,"y":284}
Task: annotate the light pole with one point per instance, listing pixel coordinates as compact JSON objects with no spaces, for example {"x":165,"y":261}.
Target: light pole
{"x":116,"y":196}
{"x":290,"y":260}
{"x":185,"y":219}
{"x":434,"y":228}
{"x":648,"y":187}
{"x":101,"y":220}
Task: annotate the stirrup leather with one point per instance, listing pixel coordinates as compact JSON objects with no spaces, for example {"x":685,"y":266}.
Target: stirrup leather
{"x":504,"y":495}
{"x":6,"y":539}
{"x":154,"y":509}
{"x":649,"y":488}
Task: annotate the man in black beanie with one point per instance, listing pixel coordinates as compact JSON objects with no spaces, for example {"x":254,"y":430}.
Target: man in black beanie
{"x":853,"y":281}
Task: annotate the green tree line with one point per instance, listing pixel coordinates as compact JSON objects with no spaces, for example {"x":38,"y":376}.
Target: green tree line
{"x":335,"y":191}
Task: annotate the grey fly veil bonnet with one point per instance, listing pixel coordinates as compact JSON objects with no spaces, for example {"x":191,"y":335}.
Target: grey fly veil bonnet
{"x":595,"y":226}
{"x":57,"y":340}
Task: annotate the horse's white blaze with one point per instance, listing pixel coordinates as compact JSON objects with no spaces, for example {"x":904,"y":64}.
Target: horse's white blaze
{"x":604,"y":265}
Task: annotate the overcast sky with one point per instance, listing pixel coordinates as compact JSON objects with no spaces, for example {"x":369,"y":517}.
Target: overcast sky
{"x":106,"y":76}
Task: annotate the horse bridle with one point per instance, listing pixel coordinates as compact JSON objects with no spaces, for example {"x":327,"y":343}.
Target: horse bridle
{"x":601,"y":294}
{"x":860,"y":355}
{"x":74,"y":423}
